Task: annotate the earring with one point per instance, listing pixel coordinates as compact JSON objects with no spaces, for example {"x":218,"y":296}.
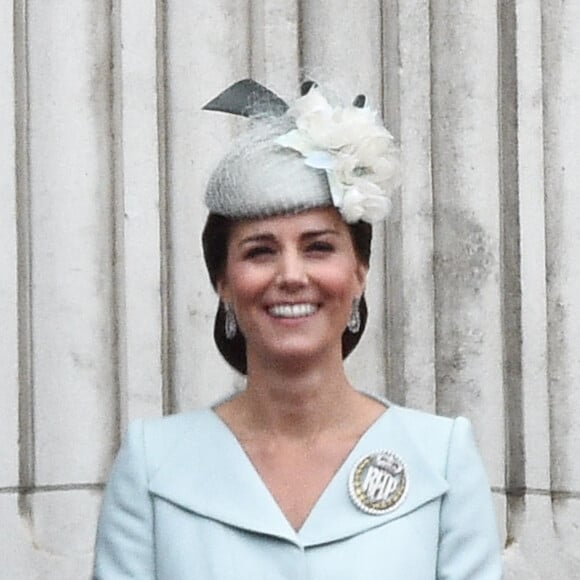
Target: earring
{"x":231,"y":327}
{"x":354,"y":320}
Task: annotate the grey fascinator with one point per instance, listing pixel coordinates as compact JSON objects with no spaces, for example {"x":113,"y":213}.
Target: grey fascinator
{"x":304,"y":155}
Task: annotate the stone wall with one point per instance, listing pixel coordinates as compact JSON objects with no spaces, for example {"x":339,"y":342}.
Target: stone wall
{"x":105,"y":305}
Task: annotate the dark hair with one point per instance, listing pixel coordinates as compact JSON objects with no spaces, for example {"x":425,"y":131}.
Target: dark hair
{"x":215,"y":239}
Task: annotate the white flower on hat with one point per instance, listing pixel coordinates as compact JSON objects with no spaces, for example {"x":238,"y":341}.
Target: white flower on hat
{"x":355,"y":150}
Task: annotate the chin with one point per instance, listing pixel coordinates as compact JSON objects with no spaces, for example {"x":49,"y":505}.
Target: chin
{"x":299,"y":355}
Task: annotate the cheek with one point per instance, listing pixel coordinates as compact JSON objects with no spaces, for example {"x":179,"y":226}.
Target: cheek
{"x":344,"y":283}
{"x":243,"y":282}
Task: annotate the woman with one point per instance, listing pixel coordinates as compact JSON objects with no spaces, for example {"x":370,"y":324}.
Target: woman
{"x":300,"y":476}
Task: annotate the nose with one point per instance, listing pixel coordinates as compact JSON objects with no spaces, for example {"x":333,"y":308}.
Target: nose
{"x":291,"y":271}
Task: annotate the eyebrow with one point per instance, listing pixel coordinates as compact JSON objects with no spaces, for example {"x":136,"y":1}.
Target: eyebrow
{"x":268,"y":237}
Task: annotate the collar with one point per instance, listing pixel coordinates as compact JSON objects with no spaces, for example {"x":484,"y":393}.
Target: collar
{"x":208,"y":473}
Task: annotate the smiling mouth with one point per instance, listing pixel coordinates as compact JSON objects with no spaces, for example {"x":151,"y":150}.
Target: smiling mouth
{"x":292,"y":310}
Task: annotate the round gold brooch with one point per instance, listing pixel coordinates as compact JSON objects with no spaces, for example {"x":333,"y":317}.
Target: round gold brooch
{"x":378,"y":483}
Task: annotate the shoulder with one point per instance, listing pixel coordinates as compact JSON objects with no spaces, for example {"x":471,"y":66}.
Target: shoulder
{"x":176,"y":424}
{"x":427,"y":427}
{"x":435,"y":435}
{"x":157,"y":437}
{"x":424,"y":420}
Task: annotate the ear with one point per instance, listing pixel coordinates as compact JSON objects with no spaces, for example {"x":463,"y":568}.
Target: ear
{"x":361,"y":277}
{"x":223,"y":290}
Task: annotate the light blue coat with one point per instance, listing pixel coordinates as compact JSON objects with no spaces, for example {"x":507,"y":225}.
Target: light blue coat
{"x":184,"y":502}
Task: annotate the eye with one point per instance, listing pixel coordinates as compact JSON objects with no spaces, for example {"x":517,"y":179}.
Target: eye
{"x":321,"y":247}
{"x":258,"y":251}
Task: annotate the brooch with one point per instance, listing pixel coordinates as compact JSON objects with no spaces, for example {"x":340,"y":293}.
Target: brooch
{"x":378,"y":483}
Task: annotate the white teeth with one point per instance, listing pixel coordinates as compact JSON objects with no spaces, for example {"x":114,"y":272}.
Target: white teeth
{"x":292,"y":310}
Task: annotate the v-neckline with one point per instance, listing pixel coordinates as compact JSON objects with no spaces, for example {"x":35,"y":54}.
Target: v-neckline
{"x":344,"y":465}
{"x":204,"y":472}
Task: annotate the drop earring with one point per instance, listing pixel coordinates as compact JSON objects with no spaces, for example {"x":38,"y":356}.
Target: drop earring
{"x":354,"y":320}
{"x":231,"y":326}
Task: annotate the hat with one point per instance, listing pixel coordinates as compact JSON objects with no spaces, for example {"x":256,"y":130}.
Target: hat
{"x":311,"y":154}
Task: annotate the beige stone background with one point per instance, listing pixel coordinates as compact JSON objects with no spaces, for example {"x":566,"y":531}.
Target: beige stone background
{"x":105,"y":306}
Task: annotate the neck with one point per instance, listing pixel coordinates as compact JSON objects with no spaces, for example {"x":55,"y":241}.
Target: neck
{"x":298,"y":402}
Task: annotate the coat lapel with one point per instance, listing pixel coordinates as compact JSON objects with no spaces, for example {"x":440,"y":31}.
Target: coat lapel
{"x":335,"y":516}
{"x":208,"y":473}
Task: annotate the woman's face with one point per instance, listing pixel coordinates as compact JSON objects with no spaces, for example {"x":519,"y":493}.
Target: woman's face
{"x":291,"y":280}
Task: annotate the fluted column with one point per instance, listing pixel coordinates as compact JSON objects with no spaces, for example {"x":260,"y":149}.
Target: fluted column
{"x":106,"y":310}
